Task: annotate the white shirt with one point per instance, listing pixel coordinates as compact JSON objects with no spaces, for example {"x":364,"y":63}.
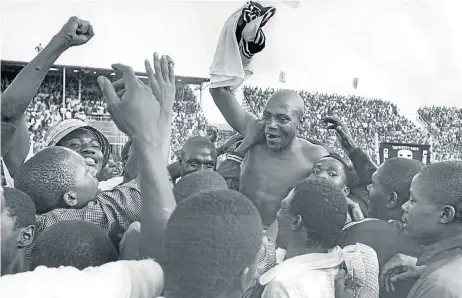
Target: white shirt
{"x":121,"y":279}
{"x":110,"y":184}
{"x":8,"y":178}
{"x":305,"y":276}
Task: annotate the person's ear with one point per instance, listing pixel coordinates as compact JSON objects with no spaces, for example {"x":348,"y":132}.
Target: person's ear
{"x":447,"y":215}
{"x":70,"y":199}
{"x":392,"y":201}
{"x":297,"y":223}
{"x":26,"y":236}
{"x":346,"y":191}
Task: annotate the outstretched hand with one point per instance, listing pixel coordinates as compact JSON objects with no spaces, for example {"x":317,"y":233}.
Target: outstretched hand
{"x":136,"y":112}
{"x":342,"y":132}
{"x":254,"y":133}
{"x":76,"y":32}
{"x":162,"y":81}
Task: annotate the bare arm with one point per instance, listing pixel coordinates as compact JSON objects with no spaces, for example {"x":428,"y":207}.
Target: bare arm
{"x":20,"y":93}
{"x":158,"y":202}
{"x":234,"y":114}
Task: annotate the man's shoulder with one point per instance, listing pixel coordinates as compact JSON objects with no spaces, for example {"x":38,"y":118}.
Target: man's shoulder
{"x":311,"y":150}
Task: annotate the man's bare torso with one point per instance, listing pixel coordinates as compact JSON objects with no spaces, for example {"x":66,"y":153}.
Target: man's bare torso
{"x":268,"y":176}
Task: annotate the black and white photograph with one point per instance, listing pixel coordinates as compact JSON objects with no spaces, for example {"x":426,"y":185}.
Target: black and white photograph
{"x":231,"y":149}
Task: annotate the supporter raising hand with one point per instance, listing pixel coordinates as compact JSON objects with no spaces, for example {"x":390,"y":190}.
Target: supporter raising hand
{"x":145,"y":114}
{"x":136,"y":112}
{"x":76,"y":32}
{"x":162,"y":83}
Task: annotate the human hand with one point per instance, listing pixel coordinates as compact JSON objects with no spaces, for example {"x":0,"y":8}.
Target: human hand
{"x":162,"y":81}
{"x":76,"y":32}
{"x":399,"y":267}
{"x":354,"y":210}
{"x":254,"y":133}
{"x":226,"y":146}
{"x":212,"y":133}
{"x":347,"y":285}
{"x":136,"y":111}
{"x":342,"y":132}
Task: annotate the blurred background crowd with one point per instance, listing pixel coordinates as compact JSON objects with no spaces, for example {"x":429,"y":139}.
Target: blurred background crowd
{"x":370,"y":120}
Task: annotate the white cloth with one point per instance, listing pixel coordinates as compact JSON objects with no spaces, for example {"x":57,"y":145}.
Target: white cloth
{"x":110,"y":184}
{"x":8,"y":178}
{"x":227,"y":67}
{"x":231,"y":66}
{"x":307,"y":276}
{"x":121,"y":279}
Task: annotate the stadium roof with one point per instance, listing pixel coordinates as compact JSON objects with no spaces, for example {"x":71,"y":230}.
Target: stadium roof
{"x":16,"y":66}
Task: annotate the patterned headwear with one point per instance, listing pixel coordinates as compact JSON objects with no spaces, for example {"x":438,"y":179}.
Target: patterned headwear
{"x":61,"y":129}
{"x":361,"y":261}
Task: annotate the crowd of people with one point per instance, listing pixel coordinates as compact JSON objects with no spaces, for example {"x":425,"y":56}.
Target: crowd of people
{"x":444,"y":124}
{"x":370,"y":120}
{"x":47,"y":108}
{"x":282,"y":216}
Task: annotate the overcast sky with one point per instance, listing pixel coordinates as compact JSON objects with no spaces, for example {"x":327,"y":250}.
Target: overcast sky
{"x":408,"y":52}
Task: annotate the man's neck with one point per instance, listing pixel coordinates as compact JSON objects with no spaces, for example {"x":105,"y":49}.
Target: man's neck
{"x":288,"y":148}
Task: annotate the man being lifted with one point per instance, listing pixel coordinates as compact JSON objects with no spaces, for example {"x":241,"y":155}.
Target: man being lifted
{"x":272,"y":168}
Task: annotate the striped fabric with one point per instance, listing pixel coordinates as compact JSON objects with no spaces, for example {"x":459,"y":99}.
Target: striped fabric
{"x":251,"y":12}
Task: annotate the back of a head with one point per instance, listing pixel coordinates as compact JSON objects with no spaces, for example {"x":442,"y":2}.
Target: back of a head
{"x":75,"y":243}
{"x":20,"y":206}
{"x":323,"y":209}
{"x":196,"y":182}
{"x":47,"y":176}
{"x":396,"y":175}
{"x":443,"y":181}
{"x":210,"y":239}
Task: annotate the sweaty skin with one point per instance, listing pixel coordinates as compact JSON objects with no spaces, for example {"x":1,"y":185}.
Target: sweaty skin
{"x":272,"y":168}
{"x":267,"y":177}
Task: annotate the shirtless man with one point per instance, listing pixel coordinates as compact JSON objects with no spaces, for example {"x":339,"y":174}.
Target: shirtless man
{"x":272,"y":168}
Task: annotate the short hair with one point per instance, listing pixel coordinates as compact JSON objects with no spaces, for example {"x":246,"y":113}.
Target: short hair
{"x":198,"y":141}
{"x":396,"y":176}
{"x":20,"y":206}
{"x":74,"y":243}
{"x":210,"y":238}
{"x":47,"y":176}
{"x":196,"y":182}
{"x":444,"y":182}
{"x":346,"y":167}
{"x":323,"y":209}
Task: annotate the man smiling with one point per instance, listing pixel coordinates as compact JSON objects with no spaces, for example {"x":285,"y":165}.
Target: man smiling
{"x":85,"y":140}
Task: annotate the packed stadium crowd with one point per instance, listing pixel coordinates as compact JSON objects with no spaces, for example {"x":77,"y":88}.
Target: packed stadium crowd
{"x":444,"y":125}
{"x":282,"y":215}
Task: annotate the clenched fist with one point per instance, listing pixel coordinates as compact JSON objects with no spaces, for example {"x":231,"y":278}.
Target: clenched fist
{"x":76,"y":32}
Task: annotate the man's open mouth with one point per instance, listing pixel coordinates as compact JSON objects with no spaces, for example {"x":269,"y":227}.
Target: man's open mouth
{"x":91,"y":162}
{"x":271,"y":136}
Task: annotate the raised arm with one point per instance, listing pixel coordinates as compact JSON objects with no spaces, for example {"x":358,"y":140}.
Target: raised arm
{"x":137,"y":114}
{"x":20,"y":93}
{"x":234,"y":114}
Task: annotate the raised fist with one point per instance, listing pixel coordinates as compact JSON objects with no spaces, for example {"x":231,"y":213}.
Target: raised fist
{"x":76,"y":32}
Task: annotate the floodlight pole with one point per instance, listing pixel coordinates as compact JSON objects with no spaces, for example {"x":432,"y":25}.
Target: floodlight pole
{"x":64,"y":91}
